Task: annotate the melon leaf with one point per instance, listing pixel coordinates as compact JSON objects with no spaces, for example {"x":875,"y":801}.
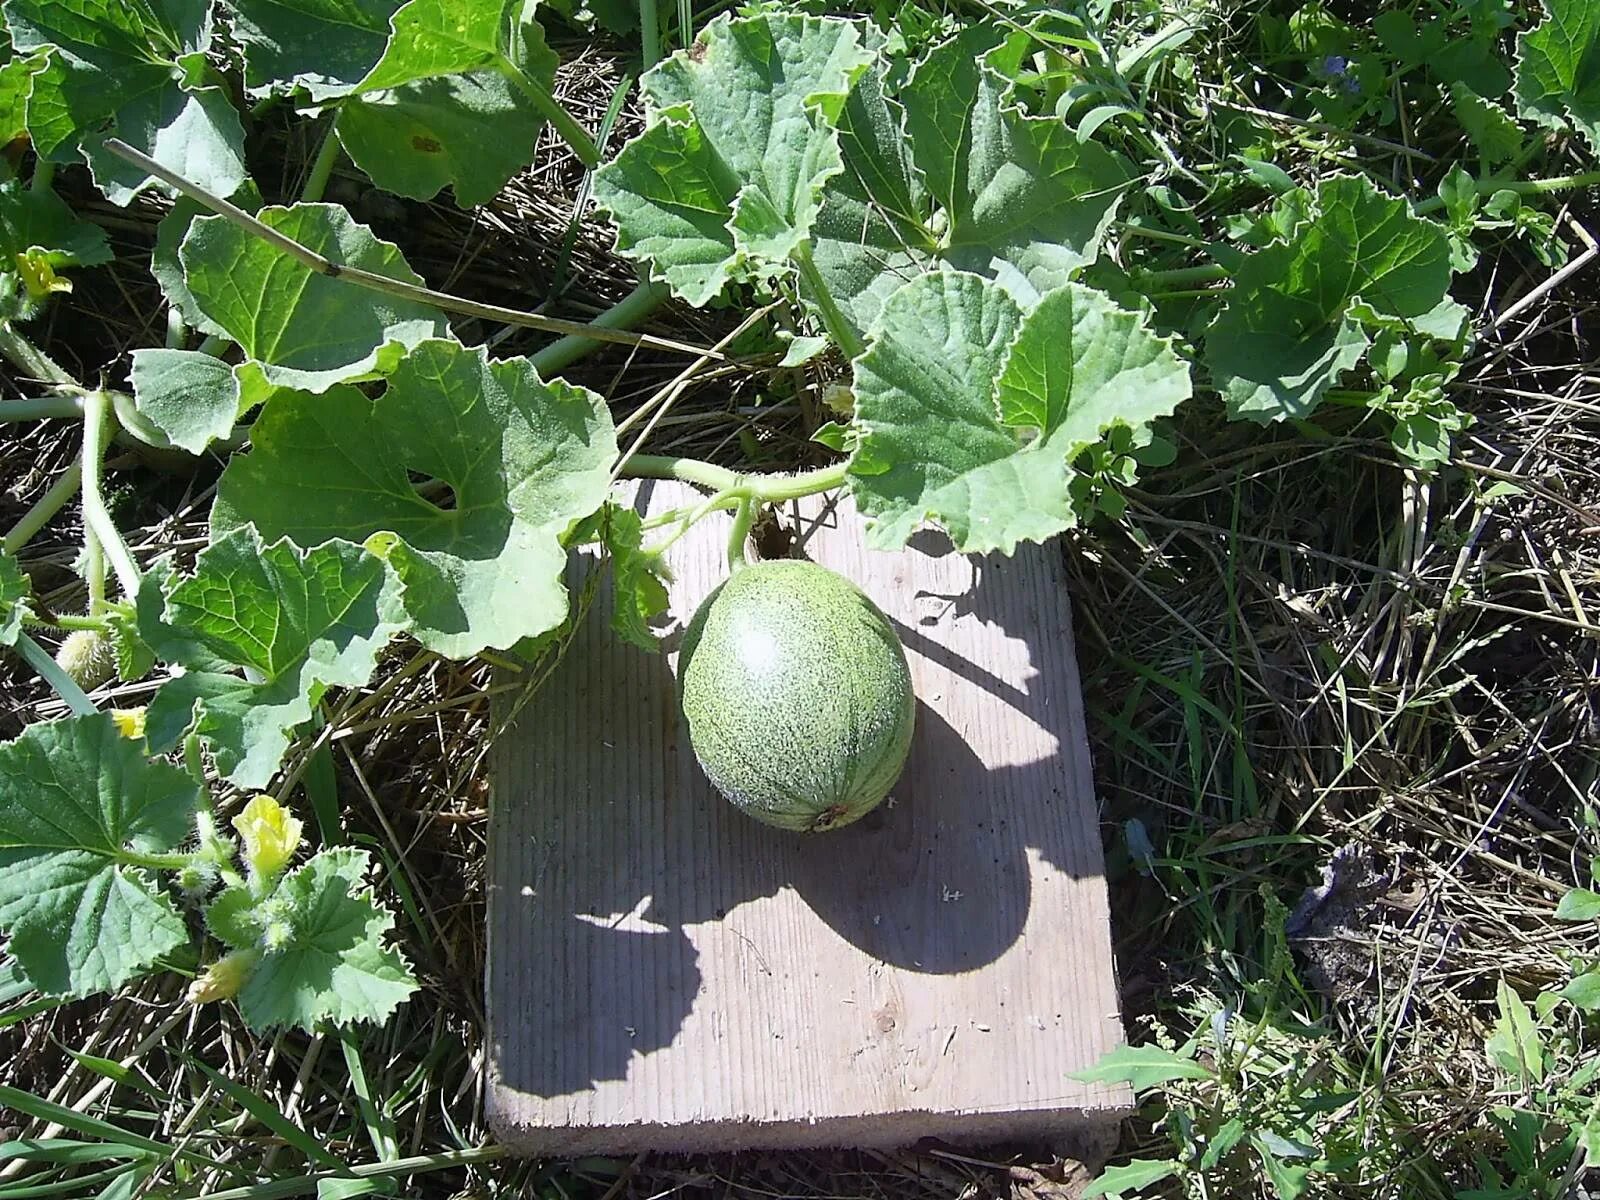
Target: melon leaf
{"x":296,"y":622}
{"x":1296,"y":317}
{"x":452,"y":69}
{"x":725,"y":181}
{"x":331,"y":964}
{"x":516,"y":461}
{"x":300,"y":329}
{"x":971,"y":412}
{"x":951,"y":171}
{"x":83,"y":813}
{"x":1557,"y":78}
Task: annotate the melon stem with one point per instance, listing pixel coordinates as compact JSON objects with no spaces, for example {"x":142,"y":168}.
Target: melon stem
{"x":763,"y":489}
{"x":739,"y":535}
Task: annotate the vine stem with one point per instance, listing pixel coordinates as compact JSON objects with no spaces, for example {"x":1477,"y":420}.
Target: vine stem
{"x":31,"y":360}
{"x":371,"y":280}
{"x":839,"y":329}
{"x":98,"y":424}
{"x":659,"y":404}
{"x":39,"y":659}
{"x":46,"y":506}
{"x":1179,"y":276}
{"x":94,"y":572}
{"x":649,"y":34}
{"x":624,"y":314}
{"x":1162,"y":235}
{"x":321,"y":167}
{"x":70,"y":623}
{"x":570,"y":132}
{"x":37,"y":408}
{"x":1522,"y":187}
{"x":739,"y":534}
{"x":763,"y":489}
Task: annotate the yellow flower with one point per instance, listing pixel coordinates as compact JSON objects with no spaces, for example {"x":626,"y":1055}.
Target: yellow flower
{"x":130,"y":722}
{"x":222,"y":978}
{"x":39,"y":276}
{"x":270,"y":835}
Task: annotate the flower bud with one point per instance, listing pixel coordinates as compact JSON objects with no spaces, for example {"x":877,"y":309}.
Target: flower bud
{"x":270,"y":835}
{"x":222,"y":978}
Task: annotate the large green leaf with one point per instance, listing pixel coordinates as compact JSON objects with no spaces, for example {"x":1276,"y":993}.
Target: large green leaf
{"x":724,"y":183}
{"x":15,"y":594}
{"x":132,"y":71}
{"x":951,"y":172}
{"x":324,"y":46}
{"x":453,"y":68}
{"x":873,"y":233}
{"x":192,"y":398}
{"x":333,"y":964}
{"x":518,"y":460}
{"x":1558,"y":69}
{"x":1292,"y":325}
{"x":301,"y":329}
{"x":81,"y":810}
{"x":297,"y":622}
{"x":16,"y":85}
{"x":971,"y":413}
{"x":164,"y":262}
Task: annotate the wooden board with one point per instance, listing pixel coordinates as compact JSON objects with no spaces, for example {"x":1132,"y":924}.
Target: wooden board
{"x":665,"y":973}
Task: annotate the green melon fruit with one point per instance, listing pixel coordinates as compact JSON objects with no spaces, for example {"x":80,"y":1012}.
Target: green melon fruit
{"x":797,"y":695}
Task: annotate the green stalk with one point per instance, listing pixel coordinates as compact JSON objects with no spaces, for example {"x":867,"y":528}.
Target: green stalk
{"x":98,"y":425}
{"x":44,"y":174}
{"x":840,"y":330}
{"x":94,"y":572}
{"x":70,"y":623}
{"x":39,"y":659}
{"x":30,"y":360}
{"x":158,"y":862}
{"x":764,"y":489}
{"x":649,"y":34}
{"x":177,"y":329}
{"x":46,"y":506}
{"x":570,"y":132}
{"x":38,"y":408}
{"x":1162,"y":235}
{"x":1522,"y":187}
{"x":194,"y":762}
{"x":321,"y":167}
{"x":624,"y":314}
{"x":1181,"y":276}
{"x":739,"y":534}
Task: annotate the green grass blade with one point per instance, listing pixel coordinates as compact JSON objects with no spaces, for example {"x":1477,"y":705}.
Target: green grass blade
{"x":66,"y":1150}
{"x":269,"y":1116}
{"x":46,"y":1110}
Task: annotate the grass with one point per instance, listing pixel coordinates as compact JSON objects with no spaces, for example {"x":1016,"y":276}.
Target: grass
{"x":1345,"y":722}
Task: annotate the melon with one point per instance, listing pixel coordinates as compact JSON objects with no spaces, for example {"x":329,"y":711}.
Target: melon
{"x":797,"y":695}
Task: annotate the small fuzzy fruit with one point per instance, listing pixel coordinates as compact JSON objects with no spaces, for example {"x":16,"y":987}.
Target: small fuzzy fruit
{"x":797,"y":695}
{"x":88,"y":658}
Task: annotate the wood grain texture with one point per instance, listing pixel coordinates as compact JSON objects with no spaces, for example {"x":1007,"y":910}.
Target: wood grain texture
{"x":665,"y":973}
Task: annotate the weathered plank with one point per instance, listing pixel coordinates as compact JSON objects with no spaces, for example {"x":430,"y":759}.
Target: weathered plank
{"x":665,"y":973}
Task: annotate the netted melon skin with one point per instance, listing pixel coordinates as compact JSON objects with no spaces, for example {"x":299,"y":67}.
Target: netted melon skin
{"x":797,"y":695}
